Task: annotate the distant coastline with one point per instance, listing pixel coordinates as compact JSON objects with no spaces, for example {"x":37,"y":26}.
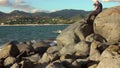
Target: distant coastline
{"x":31,"y":24}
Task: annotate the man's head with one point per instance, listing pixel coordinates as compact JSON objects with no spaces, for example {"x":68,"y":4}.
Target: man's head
{"x":95,"y":0}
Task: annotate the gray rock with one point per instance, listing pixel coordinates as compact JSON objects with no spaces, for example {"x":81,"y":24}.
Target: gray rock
{"x":9,"y":61}
{"x":74,"y":33}
{"x":113,"y":62}
{"x":107,"y":24}
{"x":82,"y":49}
{"x":55,"y":64}
{"x":9,"y":50}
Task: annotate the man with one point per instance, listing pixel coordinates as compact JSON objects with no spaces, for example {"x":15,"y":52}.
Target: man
{"x":97,"y":9}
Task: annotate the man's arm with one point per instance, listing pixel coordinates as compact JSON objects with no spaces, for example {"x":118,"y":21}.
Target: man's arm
{"x":95,"y":7}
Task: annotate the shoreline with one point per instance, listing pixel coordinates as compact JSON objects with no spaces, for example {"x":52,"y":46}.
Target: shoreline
{"x":32,"y":24}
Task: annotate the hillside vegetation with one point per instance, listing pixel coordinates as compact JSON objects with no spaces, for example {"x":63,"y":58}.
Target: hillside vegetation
{"x":66,"y":16}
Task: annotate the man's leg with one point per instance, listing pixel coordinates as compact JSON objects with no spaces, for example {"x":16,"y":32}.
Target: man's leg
{"x":94,"y":13}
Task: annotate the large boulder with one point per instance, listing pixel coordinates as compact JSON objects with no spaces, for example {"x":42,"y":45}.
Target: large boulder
{"x":74,"y":34}
{"x":107,"y":24}
{"x":113,"y":62}
{"x":9,"y":50}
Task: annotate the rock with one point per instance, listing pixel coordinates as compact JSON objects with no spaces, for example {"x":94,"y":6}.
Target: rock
{"x":93,"y":66}
{"x":107,"y":24}
{"x":94,"y":52}
{"x":33,"y":58}
{"x":92,"y":37}
{"x":70,"y":50}
{"x":9,"y":61}
{"x":47,"y":57}
{"x":9,"y":50}
{"x":80,"y":63}
{"x":16,"y":65}
{"x":82,"y":31}
{"x":55,"y":64}
{"x":75,"y":64}
{"x":74,"y":33}
{"x":67,"y":56}
{"x":39,"y":66}
{"x":1,"y":63}
{"x":28,"y":49}
{"x":67,"y":62}
{"x":111,"y":51}
{"x":40,"y":47}
{"x":82,"y":49}
{"x":53,"y":50}
{"x":110,"y":63}
{"x":26,"y":64}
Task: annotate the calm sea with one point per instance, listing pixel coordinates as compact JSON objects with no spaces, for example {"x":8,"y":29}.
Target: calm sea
{"x":27,"y":33}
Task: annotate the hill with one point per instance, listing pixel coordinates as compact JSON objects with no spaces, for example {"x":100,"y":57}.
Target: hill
{"x":58,"y":17}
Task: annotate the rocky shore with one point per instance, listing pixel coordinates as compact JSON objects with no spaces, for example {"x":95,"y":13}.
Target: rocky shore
{"x":80,"y":45}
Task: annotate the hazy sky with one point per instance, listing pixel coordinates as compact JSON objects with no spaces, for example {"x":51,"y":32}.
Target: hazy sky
{"x":51,"y":5}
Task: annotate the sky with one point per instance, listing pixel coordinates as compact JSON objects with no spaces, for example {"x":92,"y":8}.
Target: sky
{"x":52,"y":5}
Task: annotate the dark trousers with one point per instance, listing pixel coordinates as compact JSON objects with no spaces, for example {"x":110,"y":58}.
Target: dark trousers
{"x":94,"y":13}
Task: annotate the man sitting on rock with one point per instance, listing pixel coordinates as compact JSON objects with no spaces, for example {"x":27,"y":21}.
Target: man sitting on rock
{"x":97,"y":9}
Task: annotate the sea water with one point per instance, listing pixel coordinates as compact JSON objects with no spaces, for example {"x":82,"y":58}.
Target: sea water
{"x":28,"y":33}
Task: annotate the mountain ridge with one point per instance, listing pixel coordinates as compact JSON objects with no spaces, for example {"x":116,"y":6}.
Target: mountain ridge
{"x":63,"y":15}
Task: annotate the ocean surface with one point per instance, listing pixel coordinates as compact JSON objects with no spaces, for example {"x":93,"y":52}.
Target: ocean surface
{"x":28,"y":33}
